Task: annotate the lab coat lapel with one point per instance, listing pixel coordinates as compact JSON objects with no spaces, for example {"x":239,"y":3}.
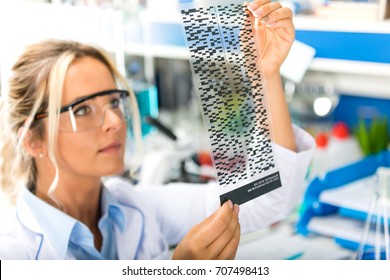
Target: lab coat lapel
{"x":44,"y":248}
{"x":129,"y":240}
{"x":48,"y":251}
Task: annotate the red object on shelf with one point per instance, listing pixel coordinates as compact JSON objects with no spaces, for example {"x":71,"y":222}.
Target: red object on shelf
{"x":322,"y":140}
{"x":340,"y":130}
{"x":204,"y":158}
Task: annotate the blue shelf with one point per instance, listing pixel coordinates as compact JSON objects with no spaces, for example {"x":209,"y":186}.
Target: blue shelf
{"x":369,"y":47}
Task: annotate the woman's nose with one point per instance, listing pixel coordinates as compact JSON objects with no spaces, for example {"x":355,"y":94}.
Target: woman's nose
{"x":111,"y":120}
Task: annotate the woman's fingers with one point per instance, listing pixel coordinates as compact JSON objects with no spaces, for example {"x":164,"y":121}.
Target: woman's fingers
{"x":254,"y":5}
{"x":219,"y":244}
{"x":270,"y":13}
{"x":265,"y":10}
{"x":283,"y":24}
{"x":277,"y":15}
{"x":229,"y":251}
{"x":216,"y":224}
{"x":215,"y":236}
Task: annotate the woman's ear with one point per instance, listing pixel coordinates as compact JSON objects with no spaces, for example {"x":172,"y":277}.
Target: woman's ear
{"x":32,"y":144}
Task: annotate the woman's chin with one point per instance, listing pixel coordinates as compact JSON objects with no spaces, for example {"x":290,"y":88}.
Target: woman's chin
{"x":114,"y":170}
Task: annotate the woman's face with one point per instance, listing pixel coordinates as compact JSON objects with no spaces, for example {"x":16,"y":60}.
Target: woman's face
{"x":99,"y":151}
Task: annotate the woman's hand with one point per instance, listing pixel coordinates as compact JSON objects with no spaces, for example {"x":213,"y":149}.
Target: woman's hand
{"x":217,"y":237}
{"x":274,"y":33}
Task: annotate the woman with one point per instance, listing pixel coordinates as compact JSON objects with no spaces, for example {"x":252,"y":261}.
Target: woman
{"x":67,"y":213}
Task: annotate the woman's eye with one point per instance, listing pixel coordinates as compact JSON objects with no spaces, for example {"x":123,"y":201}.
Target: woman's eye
{"x":115,"y":103}
{"x":82,"y":111}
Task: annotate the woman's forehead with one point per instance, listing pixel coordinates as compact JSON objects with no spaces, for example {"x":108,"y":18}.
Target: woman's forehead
{"x":84,"y":77}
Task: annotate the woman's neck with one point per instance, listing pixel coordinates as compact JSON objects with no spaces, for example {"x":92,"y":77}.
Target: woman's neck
{"x":78,"y":197}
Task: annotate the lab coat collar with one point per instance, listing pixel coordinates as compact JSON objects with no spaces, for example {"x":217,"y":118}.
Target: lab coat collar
{"x":129,"y":240}
{"x":45,"y":248}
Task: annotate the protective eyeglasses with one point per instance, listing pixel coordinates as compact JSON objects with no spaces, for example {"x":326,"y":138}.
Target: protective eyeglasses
{"x":88,"y":113}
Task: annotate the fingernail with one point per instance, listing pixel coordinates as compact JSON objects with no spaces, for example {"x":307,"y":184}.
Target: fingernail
{"x":237,"y":208}
{"x":252,"y":6}
{"x":230,"y":204}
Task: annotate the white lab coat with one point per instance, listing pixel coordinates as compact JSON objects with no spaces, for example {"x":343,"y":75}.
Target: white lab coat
{"x":157,"y":217}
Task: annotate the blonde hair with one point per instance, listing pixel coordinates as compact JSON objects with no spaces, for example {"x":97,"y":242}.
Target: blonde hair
{"x":36,"y":86}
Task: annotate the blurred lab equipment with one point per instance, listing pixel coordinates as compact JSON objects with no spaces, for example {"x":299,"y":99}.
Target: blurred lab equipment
{"x":377,"y":216}
{"x":313,"y":100}
{"x":343,"y":148}
{"x":318,"y":166}
{"x":148,"y":106}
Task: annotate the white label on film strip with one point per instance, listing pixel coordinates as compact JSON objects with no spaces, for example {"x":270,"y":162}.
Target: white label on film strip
{"x":231,"y":93}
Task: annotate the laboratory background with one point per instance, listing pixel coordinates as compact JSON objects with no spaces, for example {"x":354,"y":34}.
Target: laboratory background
{"x":337,"y":85}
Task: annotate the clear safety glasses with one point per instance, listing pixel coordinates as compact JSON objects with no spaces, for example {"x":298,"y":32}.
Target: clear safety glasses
{"x":89,"y":112}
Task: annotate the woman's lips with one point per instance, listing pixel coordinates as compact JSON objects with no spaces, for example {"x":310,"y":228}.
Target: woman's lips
{"x":111,"y":148}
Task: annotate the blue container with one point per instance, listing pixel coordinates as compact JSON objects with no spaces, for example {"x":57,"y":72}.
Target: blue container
{"x":148,"y":105}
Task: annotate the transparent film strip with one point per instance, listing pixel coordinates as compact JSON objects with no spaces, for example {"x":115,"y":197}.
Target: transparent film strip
{"x":232,"y":97}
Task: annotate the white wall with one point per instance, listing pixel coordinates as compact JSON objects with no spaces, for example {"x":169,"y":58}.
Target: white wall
{"x":23,"y":23}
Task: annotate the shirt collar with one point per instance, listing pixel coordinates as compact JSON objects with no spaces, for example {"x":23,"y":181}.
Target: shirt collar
{"x":61,"y":230}
{"x":112,"y":209}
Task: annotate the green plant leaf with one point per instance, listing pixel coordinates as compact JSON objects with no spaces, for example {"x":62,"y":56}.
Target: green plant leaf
{"x":362,"y":136}
{"x":372,"y":138}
